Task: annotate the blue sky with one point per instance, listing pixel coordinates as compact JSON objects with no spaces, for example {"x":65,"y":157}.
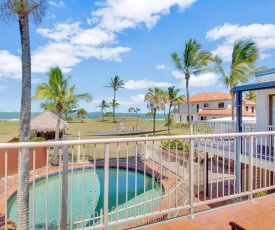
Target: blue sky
{"x":95,"y":40}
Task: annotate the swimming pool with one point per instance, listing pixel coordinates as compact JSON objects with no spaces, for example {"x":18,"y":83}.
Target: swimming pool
{"x":92,"y":191}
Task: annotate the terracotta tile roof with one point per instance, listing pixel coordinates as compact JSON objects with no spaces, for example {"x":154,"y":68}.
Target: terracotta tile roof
{"x":215,"y":96}
{"x":210,"y":96}
{"x":224,"y":112}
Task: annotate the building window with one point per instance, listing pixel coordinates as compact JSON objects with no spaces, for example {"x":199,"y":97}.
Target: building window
{"x":198,"y":108}
{"x":252,"y":109}
{"x":188,"y":118}
{"x":246,"y":108}
{"x":221,"y":105}
{"x":206,"y":105}
{"x":180,"y":117}
{"x":203,"y":118}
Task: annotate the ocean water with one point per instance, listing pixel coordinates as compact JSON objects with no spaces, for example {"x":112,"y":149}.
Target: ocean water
{"x":14,"y":116}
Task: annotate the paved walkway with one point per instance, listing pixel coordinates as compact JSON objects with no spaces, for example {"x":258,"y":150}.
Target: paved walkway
{"x":259,"y":214}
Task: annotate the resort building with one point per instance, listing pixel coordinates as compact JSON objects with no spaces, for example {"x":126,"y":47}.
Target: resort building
{"x":265,"y":99}
{"x":211,"y":105}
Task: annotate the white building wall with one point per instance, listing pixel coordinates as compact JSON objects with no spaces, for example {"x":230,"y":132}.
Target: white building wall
{"x":263,"y":97}
{"x":263,"y":106}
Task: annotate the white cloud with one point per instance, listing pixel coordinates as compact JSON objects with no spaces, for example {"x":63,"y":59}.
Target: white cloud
{"x":10,"y":65}
{"x":58,"y":4}
{"x":61,"y":31}
{"x":117,"y":15}
{"x":94,"y":36}
{"x":161,"y":67}
{"x":145,"y":84}
{"x":71,"y":42}
{"x":262,"y":34}
{"x":3,"y":87}
{"x":203,"y":80}
{"x":54,"y":54}
{"x":178,"y":75}
{"x":133,"y":100}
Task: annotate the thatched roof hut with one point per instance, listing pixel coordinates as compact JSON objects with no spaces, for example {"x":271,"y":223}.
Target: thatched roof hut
{"x":44,"y":124}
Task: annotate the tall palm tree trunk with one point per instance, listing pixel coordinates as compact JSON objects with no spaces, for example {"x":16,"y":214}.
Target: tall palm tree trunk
{"x":114,"y":107}
{"x":154,"y":122}
{"x":169,"y":114}
{"x":102,"y":115}
{"x":137,"y":124}
{"x":24,"y":129}
{"x":55,"y":160}
{"x":187,"y":77}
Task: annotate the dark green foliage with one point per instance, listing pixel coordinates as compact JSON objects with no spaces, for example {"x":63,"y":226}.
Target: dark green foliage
{"x":39,"y":139}
{"x":108,"y":114}
{"x":179,"y":144}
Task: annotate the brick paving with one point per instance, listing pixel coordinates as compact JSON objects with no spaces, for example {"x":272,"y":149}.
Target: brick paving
{"x":258,"y":215}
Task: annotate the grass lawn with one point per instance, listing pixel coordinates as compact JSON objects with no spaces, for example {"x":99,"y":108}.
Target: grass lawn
{"x":9,"y":129}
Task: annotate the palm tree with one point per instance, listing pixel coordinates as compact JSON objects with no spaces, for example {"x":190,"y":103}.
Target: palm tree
{"x":114,"y":104}
{"x":251,"y":95}
{"x":58,"y":92}
{"x":82,"y":113}
{"x":193,"y":61}
{"x":48,"y":105}
{"x":20,"y":10}
{"x":103,"y":107}
{"x":242,"y":68}
{"x":136,"y":110}
{"x":156,"y":99}
{"x":172,"y":99}
{"x":116,"y":84}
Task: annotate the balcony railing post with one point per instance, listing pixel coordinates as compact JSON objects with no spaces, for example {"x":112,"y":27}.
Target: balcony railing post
{"x":250,"y":173}
{"x":106,"y":186}
{"x":65,"y":185}
{"x":238,"y":165}
{"x":191,"y":177}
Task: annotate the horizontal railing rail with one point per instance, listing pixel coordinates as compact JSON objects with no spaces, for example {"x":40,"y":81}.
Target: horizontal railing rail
{"x":129,"y":182}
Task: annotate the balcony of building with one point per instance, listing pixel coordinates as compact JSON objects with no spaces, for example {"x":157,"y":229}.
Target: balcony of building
{"x":122,"y":183}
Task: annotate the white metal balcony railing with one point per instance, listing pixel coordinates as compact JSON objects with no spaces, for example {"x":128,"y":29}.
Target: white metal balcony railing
{"x":211,"y":127}
{"x":128,"y":182}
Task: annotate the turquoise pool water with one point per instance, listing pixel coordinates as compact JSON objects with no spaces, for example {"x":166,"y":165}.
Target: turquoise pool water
{"x":93,"y":196}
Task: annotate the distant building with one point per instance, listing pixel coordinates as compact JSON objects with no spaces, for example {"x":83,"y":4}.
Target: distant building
{"x":211,"y":105}
{"x":265,"y":99}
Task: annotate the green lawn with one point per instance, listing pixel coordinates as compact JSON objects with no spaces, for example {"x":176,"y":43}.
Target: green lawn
{"x":9,"y":129}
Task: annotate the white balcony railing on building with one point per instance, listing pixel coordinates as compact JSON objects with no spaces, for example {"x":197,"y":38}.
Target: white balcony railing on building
{"x":211,"y":127}
{"x":129,"y":182}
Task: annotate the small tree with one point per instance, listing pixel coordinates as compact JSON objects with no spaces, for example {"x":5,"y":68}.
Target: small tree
{"x":173,"y":98}
{"x":136,"y":110}
{"x":81,"y":113}
{"x":103,"y":107}
{"x":114,"y":104}
{"x":156,"y":99}
{"x":116,"y":84}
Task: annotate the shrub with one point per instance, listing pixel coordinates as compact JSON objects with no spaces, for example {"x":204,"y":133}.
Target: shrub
{"x":39,"y":139}
{"x":176,"y":143}
{"x":171,"y":121}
